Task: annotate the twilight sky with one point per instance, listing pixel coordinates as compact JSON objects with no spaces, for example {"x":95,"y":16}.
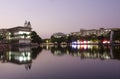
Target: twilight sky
{"x":50,"y":16}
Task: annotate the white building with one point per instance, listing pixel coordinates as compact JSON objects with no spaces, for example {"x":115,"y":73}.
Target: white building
{"x":17,"y":35}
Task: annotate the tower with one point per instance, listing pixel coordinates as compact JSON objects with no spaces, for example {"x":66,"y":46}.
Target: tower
{"x":29,"y":24}
{"x":25,"y":24}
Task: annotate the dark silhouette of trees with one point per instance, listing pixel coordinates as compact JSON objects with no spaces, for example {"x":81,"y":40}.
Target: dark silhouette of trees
{"x":1,"y":37}
{"x":35,"y":38}
{"x":36,"y":52}
{"x":58,"y":38}
{"x":116,"y":35}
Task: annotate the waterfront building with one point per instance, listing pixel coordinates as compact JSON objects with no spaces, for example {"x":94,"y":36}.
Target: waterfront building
{"x":112,"y":35}
{"x":97,"y":32}
{"x":17,"y":35}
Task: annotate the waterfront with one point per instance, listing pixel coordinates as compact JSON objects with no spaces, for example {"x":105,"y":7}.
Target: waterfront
{"x":61,"y":62}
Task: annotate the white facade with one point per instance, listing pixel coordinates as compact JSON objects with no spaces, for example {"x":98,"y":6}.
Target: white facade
{"x":18,"y":35}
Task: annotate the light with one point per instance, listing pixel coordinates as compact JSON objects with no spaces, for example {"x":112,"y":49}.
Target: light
{"x":9,"y":33}
{"x":74,"y":46}
{"x":107,"y":57}
{"x":106,"y":42}
{"x":78,"y":46}
{"x":47,"y":41}
{"x":85,"y":47}
{"x":29,"y":54}
{"x":23,"y":32}
{"x":28,"y":58}
{"x":88,"y":41}
{"x":20,"y":59}
{"x":85,"y":42}
{"x":78,"y":42}
{"x":74,"y":42}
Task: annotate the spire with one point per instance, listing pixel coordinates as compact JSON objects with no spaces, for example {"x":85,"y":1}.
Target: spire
{"x":25,"y":24}
{"x":29,"y":24}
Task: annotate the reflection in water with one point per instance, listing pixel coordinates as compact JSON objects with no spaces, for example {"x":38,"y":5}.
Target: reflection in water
{"x":87,"y":51}
{"x":20,"y":56}
{"x":61,"y":62}
{"x":25,"y":55}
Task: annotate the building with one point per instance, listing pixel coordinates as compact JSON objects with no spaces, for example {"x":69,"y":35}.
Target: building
{"x":76,"y":33}
{"x":58,"y":35}
{"x":17,"y":35}
{"x":97,"y":32}
{"x":110,"y":35}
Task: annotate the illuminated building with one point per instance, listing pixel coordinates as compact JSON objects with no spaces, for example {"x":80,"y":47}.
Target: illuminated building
{"x":111,"y":35}
{"x":18,"y":56}
{"x":96,"y":32}
{"x":76,"y":33}
{"x":58,"y":35}
{"x":17,"y":35}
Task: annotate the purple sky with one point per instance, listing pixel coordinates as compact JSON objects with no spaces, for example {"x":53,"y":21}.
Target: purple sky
{"x":50,"y":16}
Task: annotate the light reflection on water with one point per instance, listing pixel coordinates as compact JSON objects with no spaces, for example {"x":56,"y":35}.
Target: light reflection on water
{"x":61,"y":62}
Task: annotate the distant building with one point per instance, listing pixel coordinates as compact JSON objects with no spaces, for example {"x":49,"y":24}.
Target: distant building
{"x":97,"y":32}
{"x":17,"y":35}
{"x":58,"y":35}
{"x":112,"y":34}
{"x":76,"y":33}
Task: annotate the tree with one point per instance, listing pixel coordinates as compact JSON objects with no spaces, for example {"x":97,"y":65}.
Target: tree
{"x":35,"y":38}
{"x":93,"y":37}
{"x":25,"y":35}
{"x":12,"y":35}
{"x":1,"y":37}
{"x":58,"y":40}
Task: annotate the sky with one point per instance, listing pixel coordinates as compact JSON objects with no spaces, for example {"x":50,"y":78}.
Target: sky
{"x":51,"y":16}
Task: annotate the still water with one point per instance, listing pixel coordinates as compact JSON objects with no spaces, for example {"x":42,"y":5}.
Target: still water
{"x":61,"y":62}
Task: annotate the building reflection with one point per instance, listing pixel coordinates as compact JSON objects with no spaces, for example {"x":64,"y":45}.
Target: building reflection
{"x":88,"y":51}
{"x":26,"y":55}
{"x":20,"y":56}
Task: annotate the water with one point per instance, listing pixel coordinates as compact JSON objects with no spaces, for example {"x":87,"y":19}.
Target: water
{"x":55,"y":62}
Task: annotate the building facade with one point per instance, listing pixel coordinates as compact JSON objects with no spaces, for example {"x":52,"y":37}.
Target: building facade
{"x":17,"y":35}
{"x":111,"y":35}
{"x":97,"y":32}
{"x":58,"y":35}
